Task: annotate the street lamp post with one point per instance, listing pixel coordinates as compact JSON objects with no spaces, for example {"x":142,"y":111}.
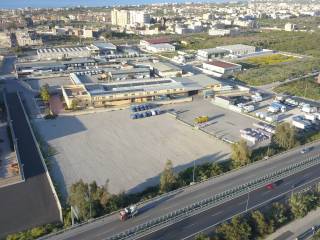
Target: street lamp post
{"x":194,"y":170}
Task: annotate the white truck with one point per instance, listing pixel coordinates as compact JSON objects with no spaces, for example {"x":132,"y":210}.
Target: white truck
{"x":128,"y":212}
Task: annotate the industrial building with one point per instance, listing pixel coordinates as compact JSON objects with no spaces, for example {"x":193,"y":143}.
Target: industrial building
{"x":105,"y":48}
{"x":126,"y":92}
{"x":210,"y":53}
{"x":146,"y":42}
{"x":238,"y":50}
{"x":221,"y":68}
{"x":162,"y":47}
{"x":165,"y":69}
{"x":110,"y":74}
{"x":51,"y":67}
{"x":68,"y":52}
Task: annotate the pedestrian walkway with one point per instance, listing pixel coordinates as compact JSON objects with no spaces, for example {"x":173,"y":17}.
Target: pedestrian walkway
{"x":297,"y":227}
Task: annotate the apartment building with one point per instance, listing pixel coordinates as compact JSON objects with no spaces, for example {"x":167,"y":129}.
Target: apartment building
{"x":28,"y":39}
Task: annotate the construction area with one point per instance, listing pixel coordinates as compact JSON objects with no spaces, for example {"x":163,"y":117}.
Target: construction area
{"x":129,"y":153}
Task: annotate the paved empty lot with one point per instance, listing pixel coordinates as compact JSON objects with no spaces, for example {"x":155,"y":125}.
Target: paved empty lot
{"x":225,"y":124}
{"x":130,"y":153}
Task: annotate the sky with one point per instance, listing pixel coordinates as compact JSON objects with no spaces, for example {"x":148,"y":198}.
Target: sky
{"x":90,"y":3}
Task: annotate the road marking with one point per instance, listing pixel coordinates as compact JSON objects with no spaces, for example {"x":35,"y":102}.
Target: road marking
{"x":217,"y":213}
{"x":287,"y":183}
{"x":307,"y":175}
{"x":249,"y":209}
{"x":240,"y":203}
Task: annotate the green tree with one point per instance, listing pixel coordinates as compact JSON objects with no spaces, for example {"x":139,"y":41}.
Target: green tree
{"x":285,"y":136}
{"x":79,"y":198}
{"x":316,"y":236}
{"x":279,"y":214}
{"x":44,"y":93}
{"x":237,"y":229}
{"x":240,"y":153}
{"x":74,"y":104}
{"x":260,"y":224}
{"x":215,"y":170}
{"x":301,"y":204}
{"x":201,"y":236}
{"x":168,"y":179}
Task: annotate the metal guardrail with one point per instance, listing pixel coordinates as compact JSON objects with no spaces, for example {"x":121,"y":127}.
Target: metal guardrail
{"x":218,"y":198}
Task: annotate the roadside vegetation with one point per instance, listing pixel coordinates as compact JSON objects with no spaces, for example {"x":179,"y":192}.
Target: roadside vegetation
{"x":307,"y":88}
{"x":93,"y":200}
{"x":258,"y":224}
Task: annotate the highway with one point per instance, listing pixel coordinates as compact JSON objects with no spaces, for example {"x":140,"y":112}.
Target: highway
{"x":206,"y":220}
{"x":109,"y":226}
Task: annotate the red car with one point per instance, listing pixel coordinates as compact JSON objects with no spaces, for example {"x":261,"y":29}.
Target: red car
{"x":270,"y":186}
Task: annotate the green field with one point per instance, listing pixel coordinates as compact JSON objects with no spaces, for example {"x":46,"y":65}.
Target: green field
{"x":307,"y":88}
{"x":296,"y":42}
{"x":271,"y":59}
{"x":279,"y":72}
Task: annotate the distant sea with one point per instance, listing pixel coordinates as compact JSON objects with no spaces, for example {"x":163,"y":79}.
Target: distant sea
{"x":89,"y":3}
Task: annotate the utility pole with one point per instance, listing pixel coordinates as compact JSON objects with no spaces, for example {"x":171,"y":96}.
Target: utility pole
{"x":194,"y":171}
{"x":90,"y":201}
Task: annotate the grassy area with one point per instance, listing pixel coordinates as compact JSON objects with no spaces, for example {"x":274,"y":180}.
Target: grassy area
{"x":307,"y":23}
{"x":303,"y":88}
{"x":296,"y":42}
{"x":279,"y":72}
{"x":169,"y":54}
{"x":271,"y":59}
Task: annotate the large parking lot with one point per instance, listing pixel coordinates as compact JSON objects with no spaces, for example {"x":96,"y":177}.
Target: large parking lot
{"x":130,"y":153}
{"x":224,"y":123}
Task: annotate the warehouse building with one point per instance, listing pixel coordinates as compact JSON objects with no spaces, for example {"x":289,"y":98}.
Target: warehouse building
{"x":163,"y":47}
{"x":105,"y":48}
{"x":238,"y":50}
{"x":165,"y":69}
{"x":114,"y":74}
{"x":146,"y":42}
{"x":66,"y":53}
{"x":221,"y":68}
{"x":126,"y":92}
{"x":210,"y":53}
{"x":52,"y":67}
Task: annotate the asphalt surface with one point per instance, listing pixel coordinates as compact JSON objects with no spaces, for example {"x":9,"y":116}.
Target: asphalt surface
{"x":111,"y":225}
{"x":30,"y":203}
{"x":205,"y":221}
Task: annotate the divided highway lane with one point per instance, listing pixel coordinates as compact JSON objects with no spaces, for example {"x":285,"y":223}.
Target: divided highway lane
{"x":109,"y":226}
{"x":205,"y":221}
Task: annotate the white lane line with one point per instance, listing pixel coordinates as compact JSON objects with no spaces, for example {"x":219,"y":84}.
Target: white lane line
{"x":217,"y":213}
{"x":240,"y":203}
{"x":287,"y":183}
